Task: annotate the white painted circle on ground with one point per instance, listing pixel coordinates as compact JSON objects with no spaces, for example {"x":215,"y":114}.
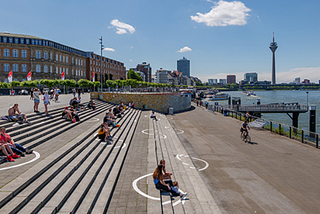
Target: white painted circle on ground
{"x":148,"y":131}
{"x":135,"y":187}
{"x":206,"y":166}
{"x":93,"y":119}
{"x":34,"y":159}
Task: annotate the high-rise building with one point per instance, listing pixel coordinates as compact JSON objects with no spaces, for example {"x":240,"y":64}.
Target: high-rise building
{"x":231,"y":79}
{"x":212,"y":81}
{"x":183,"y":65}
{"x":251,"y":77}
{"x":223,"y":81}
{"x":146,"y":69}
{"x":162,"y":76}
{"x":297,"y":80}
{"x":273,"y":47}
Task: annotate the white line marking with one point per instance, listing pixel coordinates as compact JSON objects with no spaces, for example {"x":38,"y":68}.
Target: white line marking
{"x":134,"y":185}
{"x":185,"y":163}
{"x":34,"y":159}
{"x":95,"y":134}
{"x":124,"y":145}
{"x":206,"y":166}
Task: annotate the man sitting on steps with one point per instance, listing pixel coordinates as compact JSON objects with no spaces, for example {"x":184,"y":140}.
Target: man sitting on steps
{"x":15,"y":114}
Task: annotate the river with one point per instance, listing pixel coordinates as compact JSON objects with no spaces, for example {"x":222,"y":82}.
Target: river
{"x":283,"y":96}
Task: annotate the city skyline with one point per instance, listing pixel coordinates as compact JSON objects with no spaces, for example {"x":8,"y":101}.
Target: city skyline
{"x":199,"y":30}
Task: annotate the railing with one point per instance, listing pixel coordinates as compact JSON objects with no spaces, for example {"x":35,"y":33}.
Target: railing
{"x":274,"y":108}
{"x":291,"y":132}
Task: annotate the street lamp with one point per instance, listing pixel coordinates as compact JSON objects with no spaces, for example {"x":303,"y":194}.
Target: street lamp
{"x":307,"y":100}
{"x":101,"y":62}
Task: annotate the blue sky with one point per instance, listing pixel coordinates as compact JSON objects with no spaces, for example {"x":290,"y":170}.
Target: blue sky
{"x":218,"y":37}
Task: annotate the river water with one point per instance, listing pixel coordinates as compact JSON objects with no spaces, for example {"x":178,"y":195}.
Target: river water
{"x":282,"y":96}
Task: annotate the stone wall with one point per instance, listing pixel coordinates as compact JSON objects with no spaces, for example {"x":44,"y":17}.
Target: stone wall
{"x":156,"y":101}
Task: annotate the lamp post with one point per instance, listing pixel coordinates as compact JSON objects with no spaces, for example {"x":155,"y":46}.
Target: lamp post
{"x":307,"y":100}
{"x":101,"y":62}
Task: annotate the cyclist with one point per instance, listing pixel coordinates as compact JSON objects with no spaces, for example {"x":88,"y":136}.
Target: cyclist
{"x":244,"y":128}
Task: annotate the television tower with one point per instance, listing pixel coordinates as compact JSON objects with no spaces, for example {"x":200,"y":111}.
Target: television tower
{"x":273,"y":47}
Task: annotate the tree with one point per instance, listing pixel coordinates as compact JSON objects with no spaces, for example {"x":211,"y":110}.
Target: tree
{"x":198,"y":83}
{"x":133,"y":75}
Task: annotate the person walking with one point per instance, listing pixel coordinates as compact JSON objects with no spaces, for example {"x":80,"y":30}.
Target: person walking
{"x":31,"y":94}
{"x":36,"y":99}
{"x":207,"y":104}
{"x":74,"y":92}
{"x":46,"y":98}
{"x":79,"y":91}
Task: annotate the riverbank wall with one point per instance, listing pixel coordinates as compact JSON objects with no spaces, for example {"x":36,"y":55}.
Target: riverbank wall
{"x":160,"y":102}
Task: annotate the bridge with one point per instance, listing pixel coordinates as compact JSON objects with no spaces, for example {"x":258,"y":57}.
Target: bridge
{"x":294,"y":108}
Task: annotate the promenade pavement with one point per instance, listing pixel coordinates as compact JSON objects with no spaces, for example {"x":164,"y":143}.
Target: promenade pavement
{"x":273,"y":174}
{"x":26,"y":105}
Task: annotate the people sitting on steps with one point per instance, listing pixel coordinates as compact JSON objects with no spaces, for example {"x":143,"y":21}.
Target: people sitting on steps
{"x":74,"y":103}
{"x":15,"y":115}
{"x":15,"y":147}
{"x":74,"y":113}
{"x":66,"y":113}
{"x":117,"y":112}
{"x":166,"y":175}
{"x":153,"y":116}
{"x":82,"y":106}
{"x":165,"y":186}
{"x":104,"y":132}
{"x":92,"y":105}
{"x":6,"y":149}
{"x":108,"y":120}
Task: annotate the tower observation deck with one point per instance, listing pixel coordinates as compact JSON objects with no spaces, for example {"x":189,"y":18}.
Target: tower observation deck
{"x":273,"y":47}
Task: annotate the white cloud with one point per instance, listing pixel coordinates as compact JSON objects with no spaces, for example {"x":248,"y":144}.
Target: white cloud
{"x":108,"y":49}
{"x":122,"y":27}
{"x":131,"y":47}
{"x":224,"y":14}
{"x":130,"y":60}
{"x":184,"y":49}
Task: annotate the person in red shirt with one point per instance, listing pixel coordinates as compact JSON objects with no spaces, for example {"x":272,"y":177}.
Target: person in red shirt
{"x":5,"y":146}
{"x":15,"y":147}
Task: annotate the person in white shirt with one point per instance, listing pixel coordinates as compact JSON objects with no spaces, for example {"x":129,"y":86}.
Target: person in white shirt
{"x":56,"y":93}
{"x":46,"y":101}
{"x":153,"y":116}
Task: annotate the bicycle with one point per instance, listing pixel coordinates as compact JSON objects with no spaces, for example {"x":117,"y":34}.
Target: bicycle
{"x":246,"y":137}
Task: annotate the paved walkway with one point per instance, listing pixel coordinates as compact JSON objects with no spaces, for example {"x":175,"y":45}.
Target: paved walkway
{"x":273,"y":174}
{"x":26,"y":105}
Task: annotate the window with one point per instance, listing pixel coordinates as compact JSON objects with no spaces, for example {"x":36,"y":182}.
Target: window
{"x":72,"y":60}
{"x":24,"y":54}
{"x":38,"y":68}
{"x":64,"y":69}
{"x":76,"y":61}
{"x":45,"y":55}
{"x":15,"y":68}
{"x":38,"y":55}
{"x":32,"y":41}
{"x":4,"y":39}
{"x":57,"y":70}
{"x":10,"y":39}
{"x":27,"y":41}
{"x":60,"y":70}
{"x":57,"y":57}
{"x":64,"y":58}
{"x":51,"y":55}
{"x":67,"y":59}
{"x":37,"y":42}
{"x":60,"y":58}
{"x":51,"y":69}
{"x":6,"y":52}
{"x":6,"y":67}
{"x":15,"y":53}
{"x":16,"y":40}
{"x":67,"y":71}
{"x":21,"y":41}
{"x":40,"y":42}
{"x":45,"y":69}
{"x":72,"y":71}
{"x":24,"y":68}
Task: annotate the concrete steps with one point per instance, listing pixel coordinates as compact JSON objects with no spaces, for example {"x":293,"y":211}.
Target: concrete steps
{"x":76,"y":174}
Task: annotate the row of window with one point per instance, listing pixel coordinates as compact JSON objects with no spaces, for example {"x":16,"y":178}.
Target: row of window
{"x":111,"y":62}
{"x":15,"y":54}
{"x":15,"y":68}
{"x":27,"y":41}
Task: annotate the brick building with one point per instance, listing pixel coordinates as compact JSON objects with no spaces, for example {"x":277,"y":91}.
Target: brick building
{"x":146,"y":69}
{"x":46,"y":59}
{"x":231,"y":79}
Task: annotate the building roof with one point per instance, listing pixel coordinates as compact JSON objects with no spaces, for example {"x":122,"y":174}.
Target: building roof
{"x":18,"y":35}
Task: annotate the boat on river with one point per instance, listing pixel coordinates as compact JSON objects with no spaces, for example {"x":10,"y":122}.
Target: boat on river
{"x":218,"y":96}
{"x":249,"y":93}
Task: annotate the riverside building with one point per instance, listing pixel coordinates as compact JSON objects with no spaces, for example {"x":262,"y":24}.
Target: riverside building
{"x":46,"y":59}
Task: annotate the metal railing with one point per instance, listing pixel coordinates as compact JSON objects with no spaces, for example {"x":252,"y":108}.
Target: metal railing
{"x":291,"y":132}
